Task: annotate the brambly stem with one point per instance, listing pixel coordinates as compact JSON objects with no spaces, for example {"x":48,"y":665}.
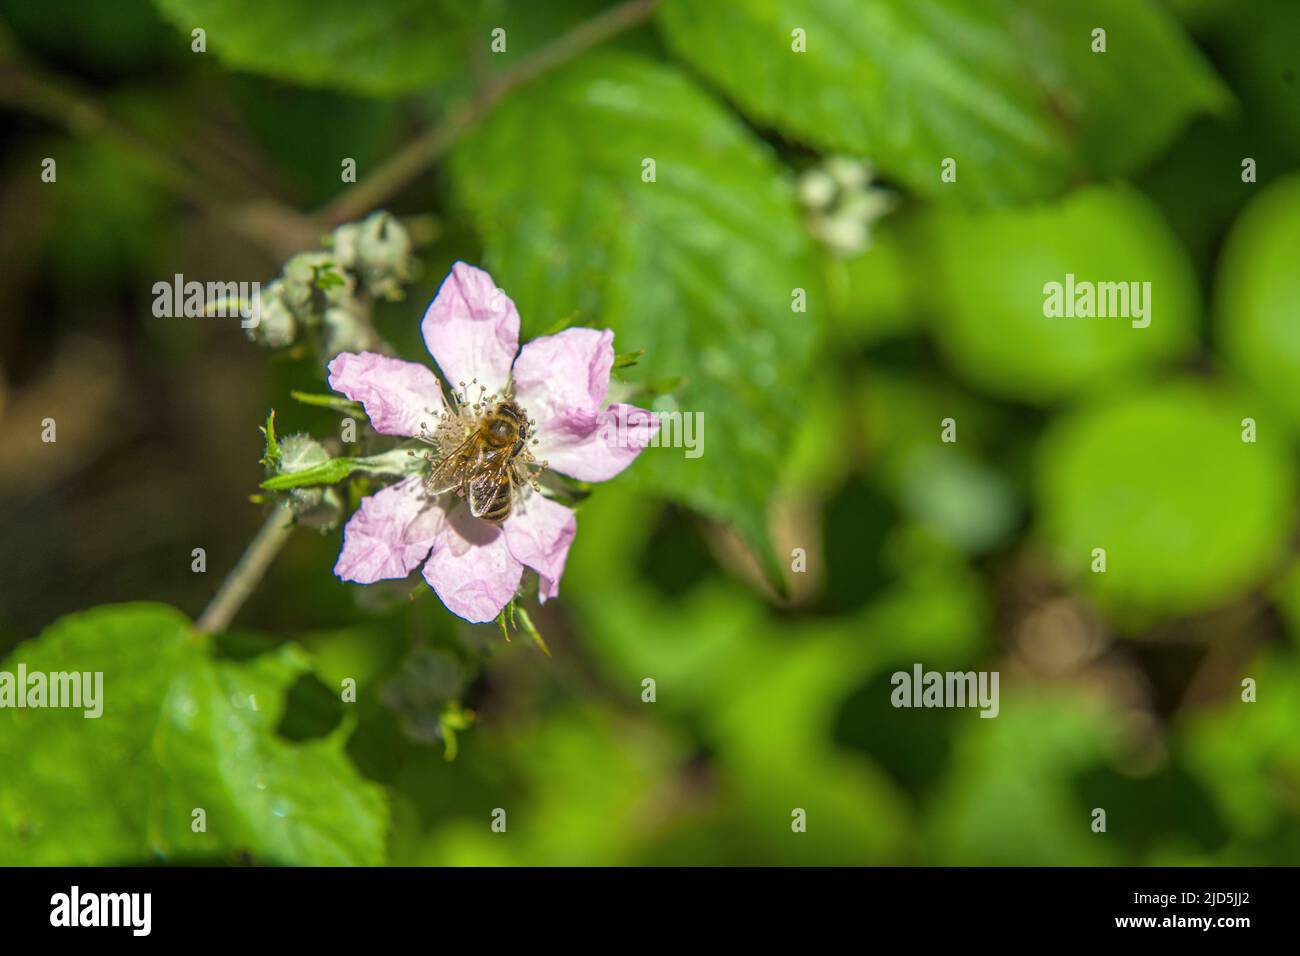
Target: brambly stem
{"x":248,"y":573}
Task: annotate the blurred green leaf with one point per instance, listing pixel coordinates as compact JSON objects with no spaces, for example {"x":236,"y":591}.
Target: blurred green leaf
{"x":1009,"y":798}
{"x":871,"y":296}
{"x":1190,"y":516}
{"x":179,"y":731}
{"x":697,"y":267}
{"x":1011,"y":89}
{"x":1258,"y":294}
{"x":988,"y":297}
{"x":382,"y":48}
{"x":1248,"y":753}
{"x":959,"y":497}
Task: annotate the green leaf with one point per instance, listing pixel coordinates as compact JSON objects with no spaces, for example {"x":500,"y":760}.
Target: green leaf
{"x":179,"y":731}
{"x":697,"y":267}
{"x":1246,"y":753}
{"x":1258,"y":294}
{"x":988,"y":293}
{"x":329,"y":401}
{"x":327,"y":278}
{"x":396,"y":462}
{"x":1190,"y":516}
{"x":381,"y":48}
{"x":1009,"y":88}
{"x":1009,"y":798}
{"x":271,"y":456}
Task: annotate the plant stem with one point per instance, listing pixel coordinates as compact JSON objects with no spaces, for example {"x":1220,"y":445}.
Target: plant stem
{"x":248,"y":573}
{"x":423,"y":151}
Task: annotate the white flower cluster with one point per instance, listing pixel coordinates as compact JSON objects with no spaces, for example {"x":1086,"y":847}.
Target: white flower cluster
{"x":841,"y":204}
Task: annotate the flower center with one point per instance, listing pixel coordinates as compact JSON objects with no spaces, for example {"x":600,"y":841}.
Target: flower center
{"x":480,"y":433}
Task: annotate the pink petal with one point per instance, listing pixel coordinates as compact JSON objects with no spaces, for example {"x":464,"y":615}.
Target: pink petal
{"x":397,"y":395}
{"x":562,"y":372}
{"x":390,"y":534}
{"x":471,"y":568}
{"x":538,"y":533}
{"x":595,"y":446}
{"x":472,"y":329}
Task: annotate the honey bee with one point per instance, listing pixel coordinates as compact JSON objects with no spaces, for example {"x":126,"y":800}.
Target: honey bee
{"x":487,"y":461}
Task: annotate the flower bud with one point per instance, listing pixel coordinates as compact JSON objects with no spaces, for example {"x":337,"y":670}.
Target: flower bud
{"x":317,"y":507}
{"x":378,"y":251}
{"x":816,"y":189}
{"x":312,"y":282}
{"x":276,"y":327}
{"x":344,"y":332}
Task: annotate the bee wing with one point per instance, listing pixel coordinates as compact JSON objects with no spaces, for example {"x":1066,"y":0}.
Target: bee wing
{"x":487,"y":484}
{"x":449,"y":473}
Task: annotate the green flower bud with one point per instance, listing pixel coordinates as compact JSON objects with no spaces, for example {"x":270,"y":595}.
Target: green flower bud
{"x":313,"y":282}
{"x":344,"y":332}
{"x":276,"y":327}
{"x":316,"y":506}
{"x":378,"y":251}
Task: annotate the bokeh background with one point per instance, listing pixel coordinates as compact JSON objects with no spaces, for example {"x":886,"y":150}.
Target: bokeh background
{"x":1119,"y":690}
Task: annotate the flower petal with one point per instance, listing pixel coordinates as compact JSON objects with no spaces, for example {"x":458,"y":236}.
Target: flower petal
{"x":538,"y":533}
{"x":397,"y":395}
{"x":595,"y":446}
{"x":562,"y":372}
{"x":471,"y":568}
{"x":390,"y":534}
{"x":472,"y":329}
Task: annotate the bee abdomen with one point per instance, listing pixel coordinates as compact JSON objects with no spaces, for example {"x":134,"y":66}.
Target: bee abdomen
{"x":498,"y":508}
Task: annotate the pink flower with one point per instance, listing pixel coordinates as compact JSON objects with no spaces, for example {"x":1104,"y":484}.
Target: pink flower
{"x":558,"y":381}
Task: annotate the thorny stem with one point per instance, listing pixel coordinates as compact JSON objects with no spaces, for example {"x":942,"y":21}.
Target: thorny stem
{"x":426,"y":149}
{"x":253,"y":564}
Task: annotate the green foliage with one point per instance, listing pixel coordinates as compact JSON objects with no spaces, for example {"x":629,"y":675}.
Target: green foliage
{"x":180,"y":730}
{"x":697,"y":267}
{"x":271,"y":455}
{"x":1009,"y":799}
{"x":988,"y":293}
{"x":1010,"y":89}
{"x":1190,"y":515}
{"x":375,"y":48}
{"x":334,"y":470}
{"x":1258,"y":294}
{"x":1246,"y":753}
{"x":382,"y":48}
{"x":1119,"y":690}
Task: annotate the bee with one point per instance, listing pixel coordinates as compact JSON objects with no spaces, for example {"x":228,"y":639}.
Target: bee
{"x":487,"y":463}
